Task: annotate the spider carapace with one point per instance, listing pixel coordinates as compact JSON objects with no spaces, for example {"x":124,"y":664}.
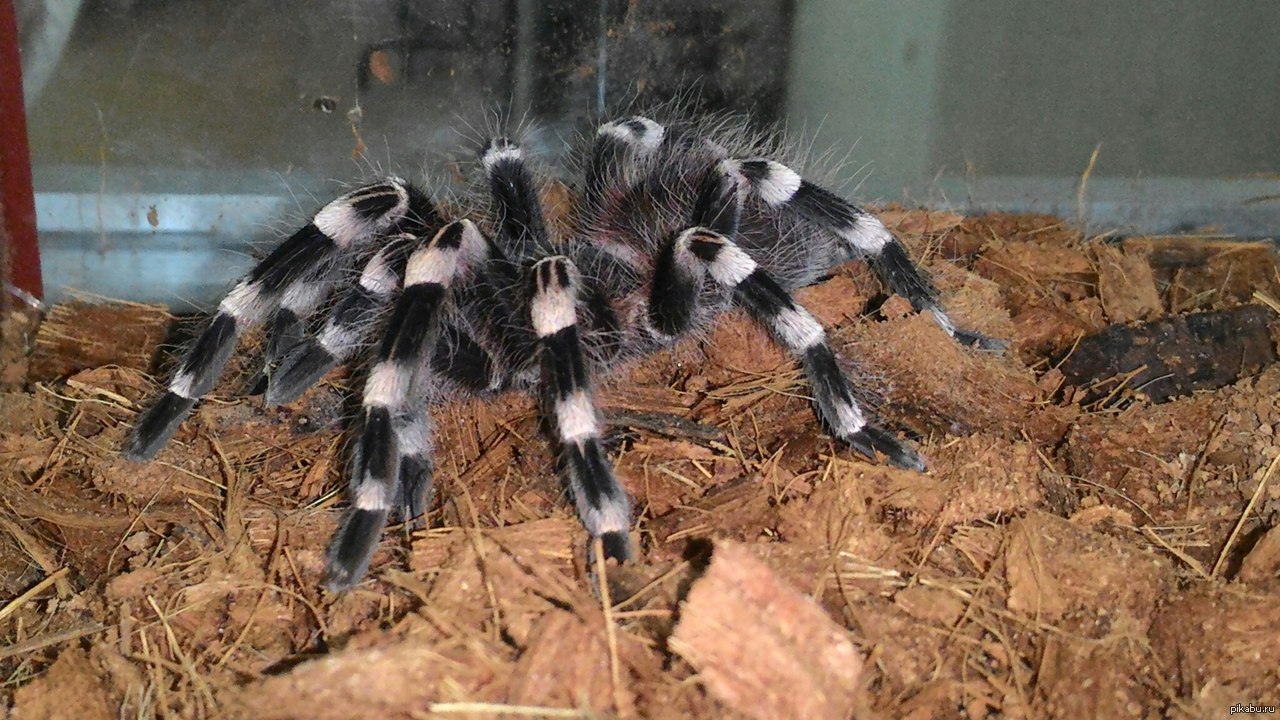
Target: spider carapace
{"x":674,"y":223}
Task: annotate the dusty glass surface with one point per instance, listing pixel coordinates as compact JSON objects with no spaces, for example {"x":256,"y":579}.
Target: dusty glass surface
{"x":172,"y":138}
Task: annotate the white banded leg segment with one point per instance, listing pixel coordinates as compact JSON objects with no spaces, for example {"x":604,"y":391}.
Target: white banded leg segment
{"x":766,"y":300}
{"x":385,"y":471}
{"x":348,"y":222}
{"x":619,"y":153}
{"x":781,"y":187}
{"x":778,"y":186}
{"x":497,"y":151}
{"x":413,"y":444}
{"x":388,"y":385}
{"x":638,"y":132}
{"x":287,"y":328}
{"x":364,"y":211}
{"x":373,"y":499}
{"x":774,"y":183}
{"x":351,"y":220}
{"x":727,"y":263}
{"x":309,"y":255}
{"x":288,"y":323}
{"x":452,"y":250}
{"x":346,"y":329}
{"x":375,"y":476}
{"x":371,"y":496}
{"x":801,"y":334}
{"x":843,"y":418}
{"x":414,"y":328}
{"x":555,"y":296}
{"x":375,"y":473}
{"x":602,"y":504}
{"x":576,"y":417}
{"x":248,"y":302}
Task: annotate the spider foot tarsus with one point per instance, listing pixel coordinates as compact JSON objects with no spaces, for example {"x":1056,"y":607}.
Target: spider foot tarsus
{"x":196,"y":377}
{"x":871,"y":439}
{"x":617,"y":546}
{"x":154,"y":427}
{"x":971,"y":338}
{"x":399,"y":447}
{"x":352,"y":548}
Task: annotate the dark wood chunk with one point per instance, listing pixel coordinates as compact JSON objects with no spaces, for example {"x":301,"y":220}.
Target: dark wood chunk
{"x":1173,"y":356}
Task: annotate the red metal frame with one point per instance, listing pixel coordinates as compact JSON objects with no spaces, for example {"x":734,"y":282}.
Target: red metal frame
{"x":16,"y":195}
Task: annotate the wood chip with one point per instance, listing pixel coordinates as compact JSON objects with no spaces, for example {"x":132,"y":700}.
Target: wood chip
{"x":391,"y":680}
{"x":1055,"y":568}
{"x":1126,"y":285}
{"x":79,"y":335}
{"x":1262,"y":564}
{"x":762,"y":647}
{"x":70,"y":688}
{"x":565,"y":666}
{"x":1174,"y":356}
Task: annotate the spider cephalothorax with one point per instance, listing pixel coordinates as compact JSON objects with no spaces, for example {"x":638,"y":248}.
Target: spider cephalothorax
{"x":674,"y":224}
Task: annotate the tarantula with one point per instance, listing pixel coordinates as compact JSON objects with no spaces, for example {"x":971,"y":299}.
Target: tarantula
{"x":674,"y":223}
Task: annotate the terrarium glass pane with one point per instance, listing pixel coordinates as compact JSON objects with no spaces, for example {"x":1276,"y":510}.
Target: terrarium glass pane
{"x":171,"y":140}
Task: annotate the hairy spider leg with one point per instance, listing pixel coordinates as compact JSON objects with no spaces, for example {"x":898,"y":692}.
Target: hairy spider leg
{"x":602,"y":503}
{"x":782,"y":188}
{"x":619,"y":155}
{"x":287,"y":277}
{"x":346,"y":329}
{"x":793,"y":327}
{"x":565,"y":385}
{"x":522,"y":228}
{"x":677,"y":275}
{"x":391,"y":463}
{"x":287,"y":327}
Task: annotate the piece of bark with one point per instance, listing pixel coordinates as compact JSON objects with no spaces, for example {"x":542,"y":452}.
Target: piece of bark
{"x":737,"y":509}
{"x":1056,"y":570}
{"x":1262,"y":564}
{"x":391,"y":680}
{"x":762,"y":647}
{"x":1173,"y":356}
{"x":1087,"y":678}
{"x":1216,"y":636}
{"x":72,"y":687}
{"x":567,"y":666}
{"x":1126,"y":285}
{"x":1202,"y":272}
{"x":78,"y":335}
